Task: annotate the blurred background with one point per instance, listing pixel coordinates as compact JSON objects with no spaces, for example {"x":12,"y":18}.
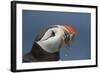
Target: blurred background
{"x":35,"y":21}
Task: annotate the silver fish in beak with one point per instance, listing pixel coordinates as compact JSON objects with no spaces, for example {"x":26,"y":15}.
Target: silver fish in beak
{"x":68,"y":34}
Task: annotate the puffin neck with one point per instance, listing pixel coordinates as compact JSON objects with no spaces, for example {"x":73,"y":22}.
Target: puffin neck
{"x":42,"y":55}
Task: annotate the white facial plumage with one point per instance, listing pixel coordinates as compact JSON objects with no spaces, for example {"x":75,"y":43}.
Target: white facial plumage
{"x":56,"y":37}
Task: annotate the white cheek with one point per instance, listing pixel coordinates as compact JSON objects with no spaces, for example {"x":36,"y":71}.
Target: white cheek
{"x":52,"y":44}
{"x":46,"y":35}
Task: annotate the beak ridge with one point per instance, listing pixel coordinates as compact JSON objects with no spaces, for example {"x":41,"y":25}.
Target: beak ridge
{"x":70,"y":29}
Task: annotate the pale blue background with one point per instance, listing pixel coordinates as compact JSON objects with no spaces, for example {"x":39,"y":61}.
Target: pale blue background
{"x":34,"y":21}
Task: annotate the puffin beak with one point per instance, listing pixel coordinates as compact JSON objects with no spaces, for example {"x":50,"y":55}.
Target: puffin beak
{"x":69,"y":34}
{"x":69,"y":29}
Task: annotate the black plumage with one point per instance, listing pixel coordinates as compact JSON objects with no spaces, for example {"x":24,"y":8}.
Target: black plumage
{"x":37,"y":54}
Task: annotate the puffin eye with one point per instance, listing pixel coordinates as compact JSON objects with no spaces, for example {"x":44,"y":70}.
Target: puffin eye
{"x":53,"y":34}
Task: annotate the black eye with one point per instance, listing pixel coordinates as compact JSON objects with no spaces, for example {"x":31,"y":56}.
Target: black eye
{"x":53,"y":33}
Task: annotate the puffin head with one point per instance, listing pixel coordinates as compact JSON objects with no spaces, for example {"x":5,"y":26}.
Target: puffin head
{"x":68,"y":34}
{"x":55,"y":36}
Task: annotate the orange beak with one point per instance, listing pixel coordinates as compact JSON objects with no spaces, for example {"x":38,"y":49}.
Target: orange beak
{"x":70,"y":29}
{"x":72,"y":32}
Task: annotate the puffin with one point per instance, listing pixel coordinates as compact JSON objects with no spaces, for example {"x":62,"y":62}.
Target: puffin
{"x":48,"y":42}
